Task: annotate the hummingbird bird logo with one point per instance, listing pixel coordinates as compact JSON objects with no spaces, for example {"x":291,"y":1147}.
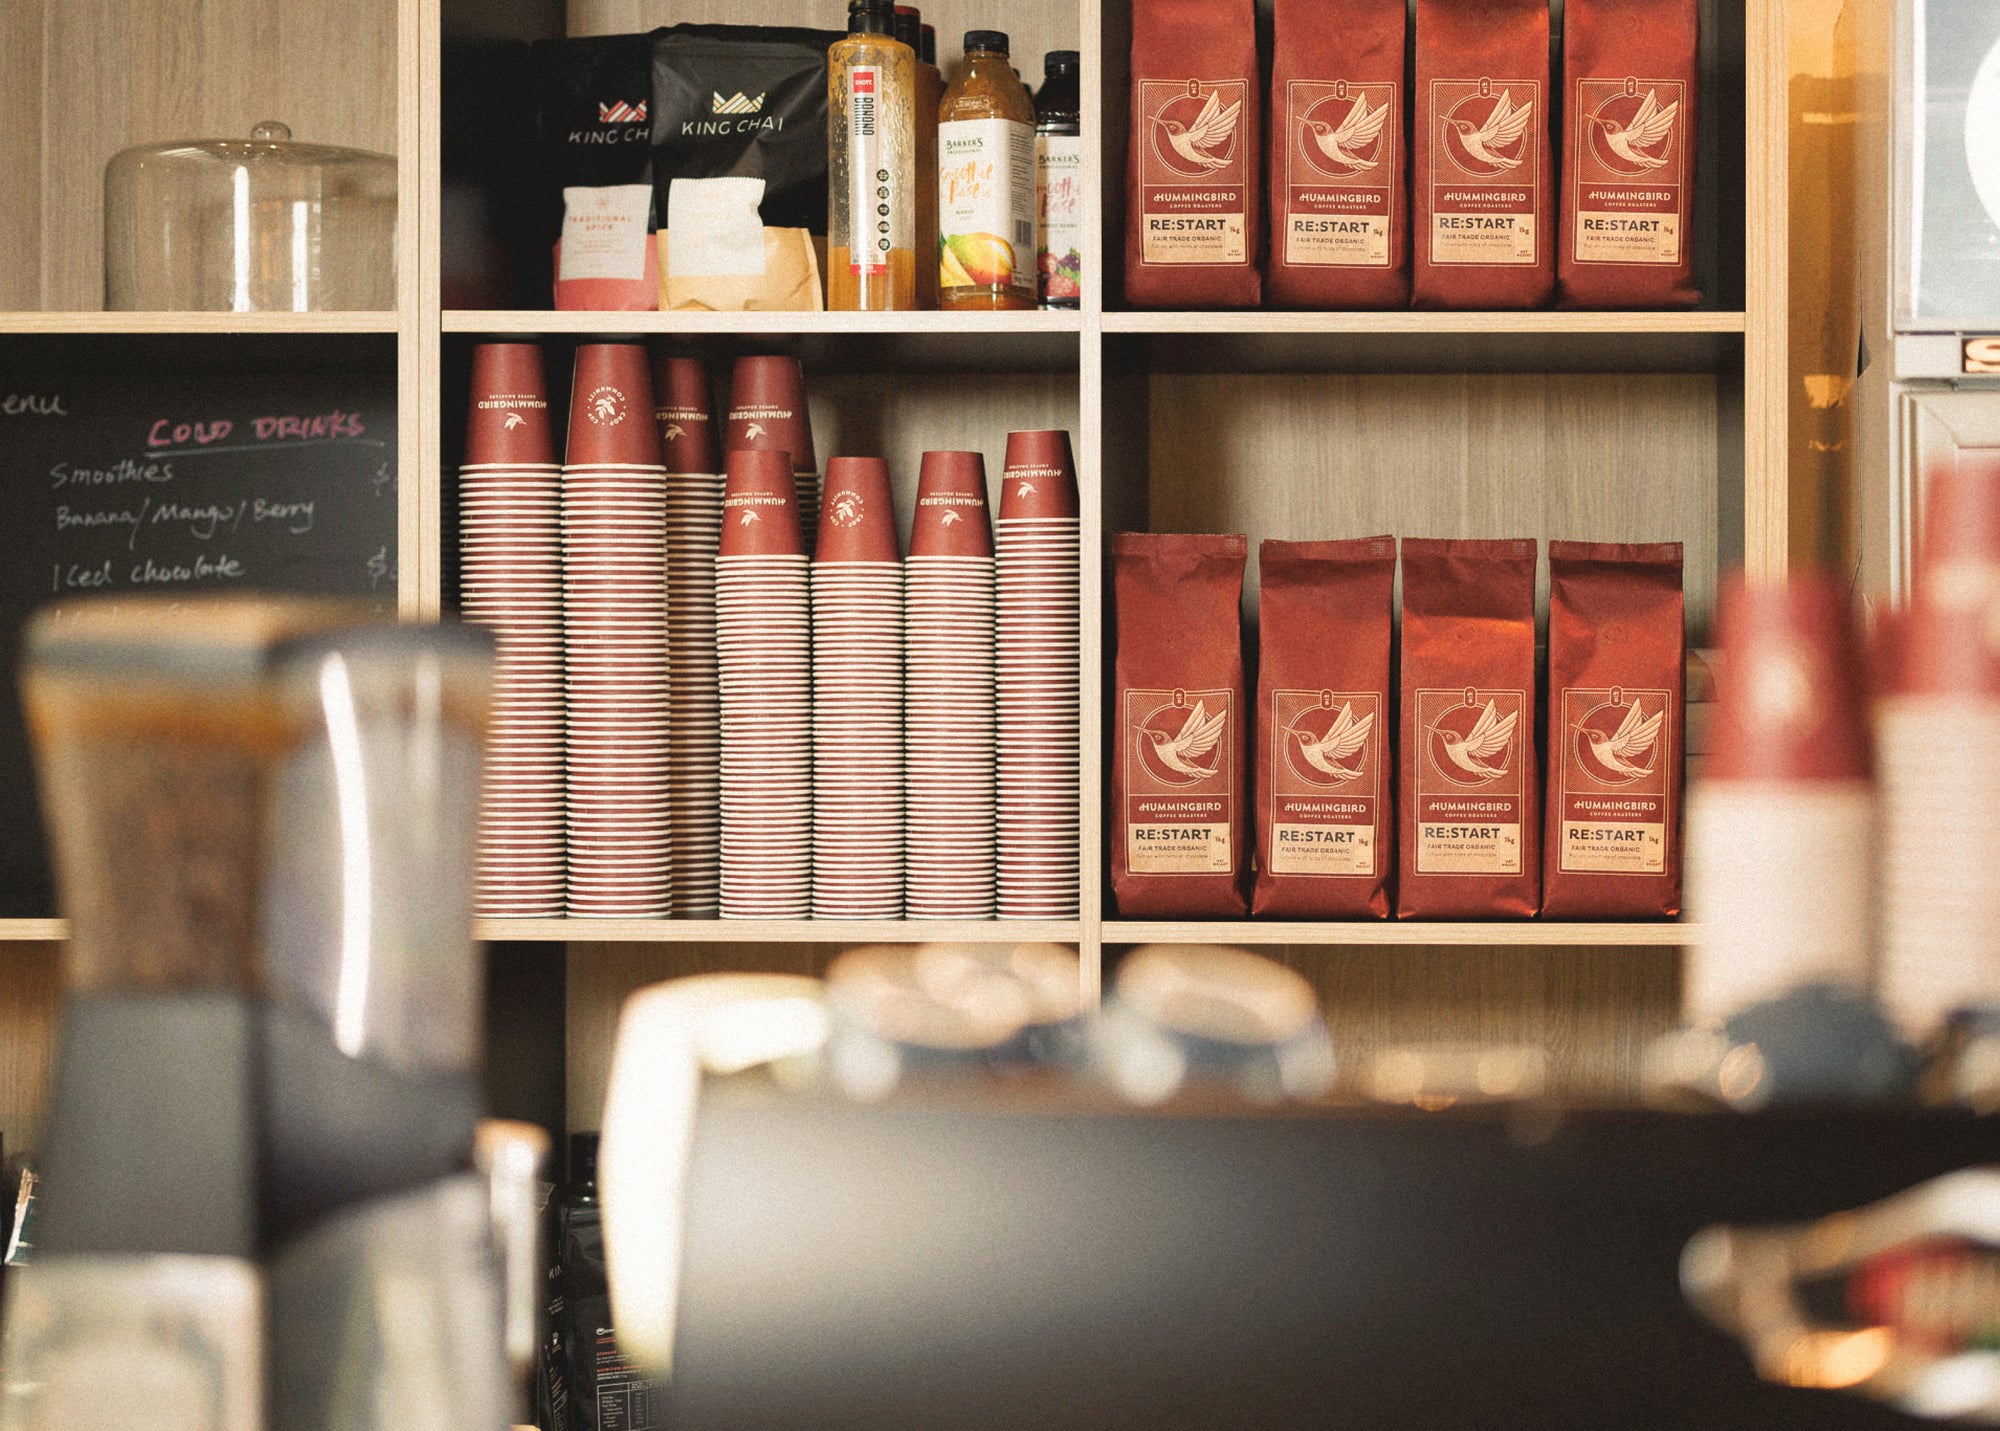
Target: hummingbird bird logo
{"x":754,"y":431}
{"x":1640,"y":144}
{"x":1626,"y":753}
{"x":1178,"y":758}
{"x":514,"y":420}
{"x":846,"y":511}
{"x":1024,"y":489}
{"x":1344,"y":741}
{"x":607,"y":407}
{"x":1469,"y":756}
{"x":673,"y":431}
{"x":750,"y":519}
{"x":1493,"y":146}
{"x":949,"y":518}
{"x":1351,"y":147}
{"x":1206,"y":144}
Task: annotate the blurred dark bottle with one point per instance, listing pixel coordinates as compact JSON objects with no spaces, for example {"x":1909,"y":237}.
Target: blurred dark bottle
{"x":594,"y":1382}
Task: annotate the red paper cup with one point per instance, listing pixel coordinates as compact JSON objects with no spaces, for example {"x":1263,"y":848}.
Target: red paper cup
{"x":1930,"y":649}
{"x":857,"y":516}
{"x":681,"y":410}
{"x":1040,"y":478}
{"x":767,"y":410}
{"x":951,"y":518}
{"x":1790,"y":702}
{"x":1958,"y":563}
{"x":509,"y":421}
{"x":760,"y":514}
{"x":611,"y":408}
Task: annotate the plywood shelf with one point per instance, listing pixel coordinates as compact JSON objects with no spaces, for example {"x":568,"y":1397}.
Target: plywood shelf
{"x":778,"y":931}
{"x":531,"y":321}
{"x":1540,"y":933}
{"x":1424,"y":323}
{"x":1546,"y":934}
{"x":1548,"y":341}
{"x":824,"y":342}
{"x":85,"y":324}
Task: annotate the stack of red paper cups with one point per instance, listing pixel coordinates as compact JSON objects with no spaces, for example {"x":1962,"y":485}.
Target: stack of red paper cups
{"x":857,"y":655}
{"x":767,"y":413}
{"x":948,"y":693}
{"x":614,"y":576}
{"x":1937,"y":748}
{"x":694,"y":719}
{"x":1036,"y":541}
{"x":510,"y":553}
{"x":1781,"y":834}
{"x":763,"y":645}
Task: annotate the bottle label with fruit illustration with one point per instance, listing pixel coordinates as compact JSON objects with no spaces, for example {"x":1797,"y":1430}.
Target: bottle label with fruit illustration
{"x":1059,"y":202}
{"x":986,"y":204}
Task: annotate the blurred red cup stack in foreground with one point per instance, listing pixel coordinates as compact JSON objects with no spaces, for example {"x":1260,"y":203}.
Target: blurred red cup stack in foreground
{"x":948,"y":599}
{"x":767,"y":413}
{"x":1937,"y":741}
{"x":1781,"y":832}
{"x":692,"y":448}
{"x":763,"y":645}
{"x":1958,"y":561}
{"x":1039,"y":577}
{"x":857,"y":655}
{"x":510,"y":560}
{"x":614,"y":577}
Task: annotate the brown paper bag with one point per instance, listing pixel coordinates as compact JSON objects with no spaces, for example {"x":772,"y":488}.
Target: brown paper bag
{"x":790,"y":282}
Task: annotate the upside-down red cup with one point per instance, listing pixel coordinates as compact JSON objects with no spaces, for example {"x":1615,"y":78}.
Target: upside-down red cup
{"x":951,"y":517}
{"x":767,"y":409}
{"x":681,"y":408}
{"x":611,"y":408}
{"x":857,"y":515}
{"x":509,"y":421}
{"x":760,"y":514}
{"x":1791,"y":696}
{"x":1039,"y":482}
{"x":1928,"y":648}
{"x":1958,"y":563}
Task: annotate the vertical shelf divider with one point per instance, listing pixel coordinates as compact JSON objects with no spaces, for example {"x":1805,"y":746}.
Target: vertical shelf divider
{"x":1090,"y":507}
{"x":416,"y":383}
{"x":1766,"y":180}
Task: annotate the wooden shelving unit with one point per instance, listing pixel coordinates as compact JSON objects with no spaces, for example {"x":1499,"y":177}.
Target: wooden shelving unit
{"x":1623,"y":425}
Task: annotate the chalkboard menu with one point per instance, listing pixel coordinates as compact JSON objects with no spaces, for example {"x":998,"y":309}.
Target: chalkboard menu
{"x":205,"y":482}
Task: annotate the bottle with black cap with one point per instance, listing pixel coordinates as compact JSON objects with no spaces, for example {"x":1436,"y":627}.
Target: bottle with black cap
{"x":1059,"y":181}
{"x":986,"y":182}
{"x":871,"y":173}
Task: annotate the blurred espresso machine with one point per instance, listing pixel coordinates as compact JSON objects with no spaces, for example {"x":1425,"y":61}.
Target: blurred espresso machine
{"x":268,"y":1198}
{"x":1929,"y":188}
